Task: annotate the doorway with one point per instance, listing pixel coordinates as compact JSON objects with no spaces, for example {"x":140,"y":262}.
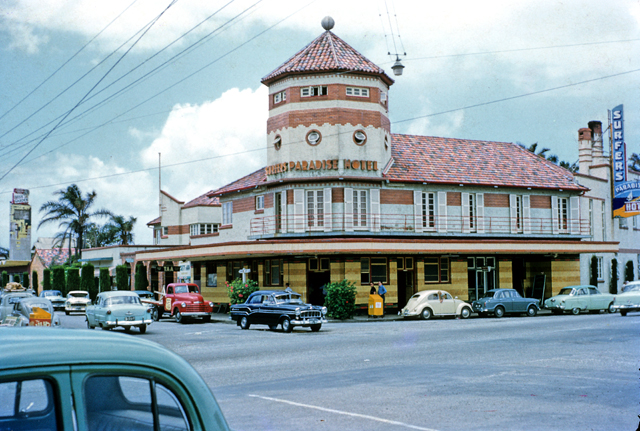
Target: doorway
{"x":406,"y":280}
{"x":318,"y":275}
{"x":482,"y":276}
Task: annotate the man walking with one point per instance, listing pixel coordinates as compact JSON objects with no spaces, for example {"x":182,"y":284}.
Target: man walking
{"x":382,"y":291}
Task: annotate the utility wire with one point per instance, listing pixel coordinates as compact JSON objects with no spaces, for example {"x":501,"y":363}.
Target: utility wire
{"x":92,"y":88}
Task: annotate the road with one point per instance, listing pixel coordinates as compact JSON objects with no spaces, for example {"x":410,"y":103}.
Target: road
{"x":516,"y":373}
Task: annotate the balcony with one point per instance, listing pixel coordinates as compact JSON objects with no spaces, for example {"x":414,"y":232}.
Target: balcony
{"x":410,"y":225}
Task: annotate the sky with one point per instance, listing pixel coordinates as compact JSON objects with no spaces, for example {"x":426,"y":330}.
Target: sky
{"x":100,"y":94}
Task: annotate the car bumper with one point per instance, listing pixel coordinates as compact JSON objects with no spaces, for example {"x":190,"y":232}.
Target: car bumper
{"x":407,"y":313}
{"x":560,"y":307}
{"x":195,"y":313}
{"x":308,"y":322}
{"x":128,"y":322}
{"x":626,"y":307}
{"x":75,"y":308}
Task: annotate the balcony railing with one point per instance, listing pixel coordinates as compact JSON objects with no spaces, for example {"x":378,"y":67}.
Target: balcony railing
{"x":408,"y":224}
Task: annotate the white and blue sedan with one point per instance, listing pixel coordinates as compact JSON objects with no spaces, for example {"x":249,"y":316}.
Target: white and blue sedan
{"x":119,"y":308}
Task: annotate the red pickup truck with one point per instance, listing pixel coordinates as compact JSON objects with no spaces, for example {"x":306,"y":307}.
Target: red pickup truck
{"x":182,"y":301}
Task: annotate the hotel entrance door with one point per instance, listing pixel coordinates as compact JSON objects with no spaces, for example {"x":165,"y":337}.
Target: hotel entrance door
{"x":482,"y":275}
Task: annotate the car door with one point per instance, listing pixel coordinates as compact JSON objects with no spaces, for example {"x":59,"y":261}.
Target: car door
{"x":435,"y":303}
{"x":169,"y":299}
{"x":597,"y":301}
{"x":581,"y":299}
{"x":448,"y":305}
{"x":90,"y":313}
{"x":519,"y":303}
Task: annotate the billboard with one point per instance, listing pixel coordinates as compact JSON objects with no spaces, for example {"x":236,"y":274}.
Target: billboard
{"x":20,"y":196}
{"x":626,"y":194}
{"x":20,"y":232}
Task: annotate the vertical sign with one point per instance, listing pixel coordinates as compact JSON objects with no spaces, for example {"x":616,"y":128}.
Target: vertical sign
{"x":626,"y":194}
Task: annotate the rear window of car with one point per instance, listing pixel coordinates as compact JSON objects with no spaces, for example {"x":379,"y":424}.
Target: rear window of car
{"x":28,"y":405}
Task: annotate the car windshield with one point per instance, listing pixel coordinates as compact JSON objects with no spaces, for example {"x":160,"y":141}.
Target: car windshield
{"x":46,"y":306}
{"x":186,"y":289}
{"x":290,"y":298}
{"x":632,"y":288}
{"x":566,"y":291}
{"x":79,"y":295}
{"x":51,"y":293}
{"x":119,"y":300}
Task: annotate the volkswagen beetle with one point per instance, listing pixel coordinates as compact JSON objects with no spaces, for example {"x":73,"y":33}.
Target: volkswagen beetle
{"x":429,"y":303}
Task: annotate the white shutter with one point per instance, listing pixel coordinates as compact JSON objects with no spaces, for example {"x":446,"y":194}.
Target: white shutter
{"x":328,"y":213}
{"x":526,"y":215}
{"x":417,"y":210}
{"x":441,"y":218}
{"x":348,"y":209}
{"x":574,"y":203}
{"x":480,"y":212}
{"x":466,"y":221}
{"x":375,"y":209}
{"x":298,"y":211}
{"x":513,"y":211}
{"x":283,"y":212}
{"x":554,"y":214}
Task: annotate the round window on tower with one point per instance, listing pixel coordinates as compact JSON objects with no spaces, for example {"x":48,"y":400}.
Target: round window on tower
{"x":359,"y":137}
{"x":277,"y":142}
{"x":314,"y":137}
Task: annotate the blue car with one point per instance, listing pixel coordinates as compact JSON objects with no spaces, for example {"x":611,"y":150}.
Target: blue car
{"x":505,"y":301}
{"x":119,"y":308}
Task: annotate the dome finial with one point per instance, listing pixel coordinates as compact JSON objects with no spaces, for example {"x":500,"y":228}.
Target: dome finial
{"x":328,"y":23}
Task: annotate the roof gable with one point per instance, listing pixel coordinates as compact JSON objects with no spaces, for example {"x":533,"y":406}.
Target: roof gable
{"x":247,"y":182}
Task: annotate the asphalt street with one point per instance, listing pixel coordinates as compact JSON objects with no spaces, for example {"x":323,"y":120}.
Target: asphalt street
{"x":516,"y":373}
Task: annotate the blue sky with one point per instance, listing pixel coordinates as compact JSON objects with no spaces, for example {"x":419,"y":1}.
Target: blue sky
{"x":205,"y":110}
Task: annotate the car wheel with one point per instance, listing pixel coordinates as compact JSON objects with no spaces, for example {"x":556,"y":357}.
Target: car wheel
{"x":315,"y":328}
{"x":66,"y":312}
{"x":465,"y":312}
{"x":155,"y":315}
{"x":575,"y":311}
{"x":89,"y":326}
{"x":610,"y":309}
{"x":532,"y":311}
{"x":623,"y":312}
{"x":286,"y":325}
{"x":426,"y":313}
{"x":273,"y":327}
{"x":142,"y":328}
{"x":499,"y":311}
{"x":244,"y":322}
{"x":178,"y":316}
{"x":127,"y":328}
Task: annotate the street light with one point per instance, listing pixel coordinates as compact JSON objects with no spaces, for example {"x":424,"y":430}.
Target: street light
{"x":397,"y":67}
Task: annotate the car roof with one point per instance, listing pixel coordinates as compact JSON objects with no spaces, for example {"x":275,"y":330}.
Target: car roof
{"x":79,"y":291}
{"x":118,"y":293}
{"x":427,"y":292}
{"x":269,"y":292}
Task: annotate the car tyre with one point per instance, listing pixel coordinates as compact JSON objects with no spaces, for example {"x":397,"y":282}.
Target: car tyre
{"x":244,"y":322}
{"x":499,"y":311}
{"x":610,"y":309}
{"x":532,"y":311}
{"x":89,"y":326}
{"x":178,"y":316}
{"x":155,"y":315}
{"x":426,"y":313}
{"x":142,"y":328}
{"x":127,"y":329}
{"x":465,"y":312}
{"x":575,"y":311}
{"x":286,"y":325}
{"x":623,"y":312}
{"x":315,"y":328}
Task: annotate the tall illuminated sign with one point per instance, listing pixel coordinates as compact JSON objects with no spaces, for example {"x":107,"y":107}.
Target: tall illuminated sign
{"x":626,"y":194}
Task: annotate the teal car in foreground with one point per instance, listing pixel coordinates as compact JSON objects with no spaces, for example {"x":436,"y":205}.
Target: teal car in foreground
{"x":119,"y":308}
{"x":99,"y":381}
{"x":580,"y":298}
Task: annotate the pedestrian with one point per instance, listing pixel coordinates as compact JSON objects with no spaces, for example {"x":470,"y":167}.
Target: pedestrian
{"x":372,"y":291}
{"x":382,"y":291}
{"x":287,"y":288}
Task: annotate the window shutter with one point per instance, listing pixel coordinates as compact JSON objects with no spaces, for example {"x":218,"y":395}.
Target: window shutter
{"x":348,"y":209}
{"x":526,"y":215}
{"x":375,"y":209}
{"x":554,"y":214}
{"x":513,"y":212}
{"x":442,"y":212}
{"x":283,"y":212}
{"x":574,"y":203}
{"x":480,"y":212}
{"x":466,"y":221}
{"x":417,"y":210}
{"x":298,"y":211}
{"x":328,"y":213}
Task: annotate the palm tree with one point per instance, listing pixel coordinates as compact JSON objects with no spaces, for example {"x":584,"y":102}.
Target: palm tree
{"x":573,"y":167}
{"x":121,"y":229}
{"x":73,"y":213}
{"x":533,"y":147}
{"x":99,"y":236}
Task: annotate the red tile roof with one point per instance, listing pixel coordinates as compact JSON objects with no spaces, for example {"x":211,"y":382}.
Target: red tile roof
{"x":54,"y":256}
{"x":247,"y":182}
{"x":327,"y":53}
{"x":462,"y":161}
{"x":204,"y":201}
{"x":157,"y":220}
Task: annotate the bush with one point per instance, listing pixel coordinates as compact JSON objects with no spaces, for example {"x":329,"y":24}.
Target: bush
{"x":628,"y":271}
{"x":141,"y":282}
{"x":593,"y":278}
{"x":86,"y":281}
{"x":341,"y":300}
{"x":34,"y":278}
{"x":613,"y":287}
{"x":58,"y":280}
{"x":73,"y":279}
{"x":25,"y":279}
{"x":122,"y":277}
{"x":239,"y":291}
{"x":105,"y":280}
{"x":16,"y":278}
{"x":5,"y":278}
{"x":46,"y":279}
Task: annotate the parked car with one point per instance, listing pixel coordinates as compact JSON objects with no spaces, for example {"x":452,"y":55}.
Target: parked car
{"x":119,"y":308}
{"x":145,"y":294}
{"x":7,"y":302}
{"x":31,"y":311}
{"x":429,"y":303}
{"x":77,"y":300}
{"x":580,"y":298}
{"x":505,"y":301}
{"x":80,"y":380}
{"x":55,"y":297}
{"x":183,"y":301}
{"x":629,"y":299}
{"x":278,"y":307}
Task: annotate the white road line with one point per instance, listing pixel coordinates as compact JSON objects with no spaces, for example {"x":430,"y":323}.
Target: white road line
{"x":356,"y":415}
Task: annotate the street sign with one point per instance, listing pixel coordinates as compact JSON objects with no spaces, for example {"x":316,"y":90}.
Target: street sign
{"x":244,"y":271}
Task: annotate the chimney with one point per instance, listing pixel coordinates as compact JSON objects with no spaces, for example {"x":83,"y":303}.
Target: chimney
{"x":584,"y":150}
{"x":596,"y":137}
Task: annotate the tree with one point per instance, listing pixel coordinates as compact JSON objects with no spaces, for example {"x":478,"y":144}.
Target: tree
{"x":593,"y":279}
{"x":86,"y":281}
{"x":141,"y":282}
{"x":34,"y":279}
{"x":105,"y":280}
{"x":5,"y":278}
{"x":73,"y":279}
{"x":628,"y":271}
{"x":341,"y":299}
{"x":121,"y":229}
{"x":25,"y":280}
{"x":46,"y":279}
{"x":572,"y":167}
{"x":58,"y":280}
{"x":99,"y":236}
{"x":122,"y":277}
{"x":73,"y":213}
{"x":613,"y":286}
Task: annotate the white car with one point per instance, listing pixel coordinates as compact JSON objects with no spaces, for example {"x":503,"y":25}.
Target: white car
{"x":629,"y":299}
{"x":428,"y":303}
{"x":55,"y":297}
{"x":77,"y":301}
